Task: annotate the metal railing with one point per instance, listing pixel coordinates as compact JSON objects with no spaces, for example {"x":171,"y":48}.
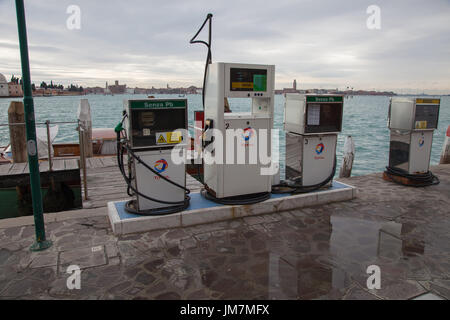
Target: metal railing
{"x":79,"y":129}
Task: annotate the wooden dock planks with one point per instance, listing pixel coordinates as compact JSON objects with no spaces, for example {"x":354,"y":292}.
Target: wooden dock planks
{"x":23,"y":168}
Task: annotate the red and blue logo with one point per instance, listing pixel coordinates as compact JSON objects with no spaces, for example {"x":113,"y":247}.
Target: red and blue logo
{"x":421,"y":141}
{"x":161,"y":165}
{"x":248,"y":133}
{"x":319,"y":148}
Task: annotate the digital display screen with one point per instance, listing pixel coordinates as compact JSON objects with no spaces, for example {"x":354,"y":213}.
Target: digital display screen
{"x":248,"y":79}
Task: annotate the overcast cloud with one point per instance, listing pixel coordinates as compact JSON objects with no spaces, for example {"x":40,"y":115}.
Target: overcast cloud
{"x":323,"y":44}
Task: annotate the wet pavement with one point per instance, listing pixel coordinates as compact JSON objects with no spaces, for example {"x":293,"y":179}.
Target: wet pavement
{"x":315,"y":253}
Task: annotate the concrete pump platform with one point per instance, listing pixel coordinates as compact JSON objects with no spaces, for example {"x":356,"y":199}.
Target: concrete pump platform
{"x":201,"y":210}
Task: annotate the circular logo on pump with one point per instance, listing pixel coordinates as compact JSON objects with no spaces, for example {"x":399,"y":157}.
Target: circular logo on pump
{"x":319,"y":148}
{"x":421,"y":141}
{"x":248,"y":133}
{"x":161,"y":165}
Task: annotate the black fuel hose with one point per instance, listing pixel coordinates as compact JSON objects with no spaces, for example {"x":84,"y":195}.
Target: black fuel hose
{"x":238,"y":200}
{"x":289,"y":186}
{"x":209,"y":55}
{"x":419,"y":179}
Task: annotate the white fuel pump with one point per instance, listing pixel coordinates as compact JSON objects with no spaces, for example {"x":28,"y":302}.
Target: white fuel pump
{"x":153,"y":127}
{"x":412,"y":122}
{"x":312,"y":123}
{"x":227,"y":179}
{"x":230,"y":80}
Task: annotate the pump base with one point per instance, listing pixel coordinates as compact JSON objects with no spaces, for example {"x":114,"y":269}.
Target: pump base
{"x":202,"y":210}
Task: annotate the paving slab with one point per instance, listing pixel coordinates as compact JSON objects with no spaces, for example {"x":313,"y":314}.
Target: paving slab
{"x":83,"y":257}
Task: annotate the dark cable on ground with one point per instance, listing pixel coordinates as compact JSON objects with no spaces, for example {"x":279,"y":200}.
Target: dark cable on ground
{"x":419,"y":179}
{"x":289,"y":186}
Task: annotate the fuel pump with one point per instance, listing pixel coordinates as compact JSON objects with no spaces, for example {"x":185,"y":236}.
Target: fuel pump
{"x":412,"y":122}
{"x":231,"y":80}
{"x":225,"y":181}
{"x":312,"y":124}
{"x":149,"y":131}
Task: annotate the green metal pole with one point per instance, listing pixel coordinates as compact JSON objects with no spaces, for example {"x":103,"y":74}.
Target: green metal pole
{"x":35,"y":181}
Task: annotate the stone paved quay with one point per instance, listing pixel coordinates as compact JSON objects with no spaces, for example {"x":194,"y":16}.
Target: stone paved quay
{"x":318,"y":252}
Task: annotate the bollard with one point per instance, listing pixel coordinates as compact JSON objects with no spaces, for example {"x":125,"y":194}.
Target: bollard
{"x":349,"y":155}
{"x":84,"y":117}
{"x":445,"y":155}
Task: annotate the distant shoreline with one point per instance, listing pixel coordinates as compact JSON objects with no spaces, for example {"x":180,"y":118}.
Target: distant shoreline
{"x":279,"y":94}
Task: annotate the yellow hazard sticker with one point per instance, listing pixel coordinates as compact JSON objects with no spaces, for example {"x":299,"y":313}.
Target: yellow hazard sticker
{"x":169,"y":137}
{"x":421,"y":124}
{"x":161,"y":139}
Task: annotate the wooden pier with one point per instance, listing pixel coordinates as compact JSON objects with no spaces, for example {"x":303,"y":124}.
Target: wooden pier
{"x":104,"y":181}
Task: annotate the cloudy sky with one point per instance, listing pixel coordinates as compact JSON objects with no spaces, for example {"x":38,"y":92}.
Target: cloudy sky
{"x":322,"y":44}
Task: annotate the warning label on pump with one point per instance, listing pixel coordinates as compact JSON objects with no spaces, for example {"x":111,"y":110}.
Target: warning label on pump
{"x":161,"y":139}
{"x":169,"y":137}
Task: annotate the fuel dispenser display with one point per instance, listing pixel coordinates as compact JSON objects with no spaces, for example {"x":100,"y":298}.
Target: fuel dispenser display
{"x":153,"y":128}
{"x":312,"y":123}
{"x":412,"y":122}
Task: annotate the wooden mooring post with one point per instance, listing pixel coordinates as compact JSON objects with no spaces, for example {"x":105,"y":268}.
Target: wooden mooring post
{"x":445,"y":155}
{"x":18,"y":138}
{"x":17,"y":131}
{"x":349,"y":156}
{"x":85,"y":119}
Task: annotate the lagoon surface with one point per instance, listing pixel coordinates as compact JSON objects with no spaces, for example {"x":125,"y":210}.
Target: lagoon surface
{"x":365,"y":118}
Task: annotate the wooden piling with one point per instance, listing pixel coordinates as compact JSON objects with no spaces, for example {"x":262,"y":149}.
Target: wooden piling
{"x":85,"y":119}
{"x":17,"y":131}
{"x":445,"y":155}
{"x":349,"y":155}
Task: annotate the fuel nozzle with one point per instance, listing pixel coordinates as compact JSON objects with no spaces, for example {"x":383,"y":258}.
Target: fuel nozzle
{"x":119,"y":127}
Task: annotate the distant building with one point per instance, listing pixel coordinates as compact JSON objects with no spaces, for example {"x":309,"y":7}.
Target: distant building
{"x":94,"y":90}
{"x":289,"y":90}
{"x":4,"y":91}
{"x":117,"y":88}
{"x":15,"y":89}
